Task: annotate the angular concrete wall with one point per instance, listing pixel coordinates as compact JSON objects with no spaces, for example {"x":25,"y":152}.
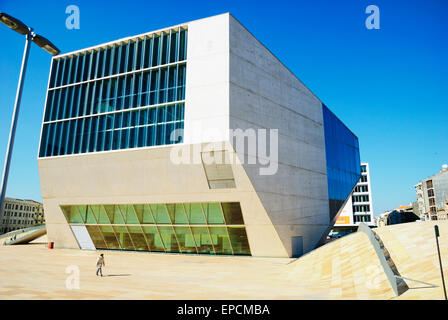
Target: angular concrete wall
{"x":264,"y":94}
{"x":145,"y":176}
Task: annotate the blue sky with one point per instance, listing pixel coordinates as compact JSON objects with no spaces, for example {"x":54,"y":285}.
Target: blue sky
{"x":389,"y":86}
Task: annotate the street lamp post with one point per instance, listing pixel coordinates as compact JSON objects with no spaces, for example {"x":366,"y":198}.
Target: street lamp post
{"x":21,"y":28}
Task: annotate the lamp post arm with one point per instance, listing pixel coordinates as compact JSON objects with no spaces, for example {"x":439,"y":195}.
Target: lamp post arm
{"x":15,"y":116}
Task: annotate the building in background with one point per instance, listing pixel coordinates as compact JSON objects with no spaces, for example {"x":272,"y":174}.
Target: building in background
{"x":358,"y":207}
{"x":39,"y":217}
{"x":432,"y":194}
{"x":19,"y":214}
{"x":119,"y":115}
{"x":401,"y":214}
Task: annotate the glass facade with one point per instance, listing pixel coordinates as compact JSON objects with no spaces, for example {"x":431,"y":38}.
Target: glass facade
{"x":343,"y":163}
{"x":204,"y":228}
{"x":129,"y":94}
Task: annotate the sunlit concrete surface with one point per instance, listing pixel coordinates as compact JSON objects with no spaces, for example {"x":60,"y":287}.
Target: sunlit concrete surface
{"x":413,"y":249}
{"x":347,"y":268}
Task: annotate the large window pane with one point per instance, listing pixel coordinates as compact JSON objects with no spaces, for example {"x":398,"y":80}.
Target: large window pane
{"x":202,"y":239}
{"x":185,"y":239}
{"x":138,"y":238}
{"x":213,"y":213}
{"x":232,"y":213}
{"x":154,"y":239}
{"x":160,"y":214}
{"x":169,"y":239}
{"x":109,"y":237}
{"x":124,"y":238}
{"x":72,"y":215}
{"x":97,"y":237}
{"x":194,"y":213}
{"x":220,"y":240}
{"x":238,"y":238}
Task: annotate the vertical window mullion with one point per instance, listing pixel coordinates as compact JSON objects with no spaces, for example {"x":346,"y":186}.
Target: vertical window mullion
{"x":208,"y":228}
{"x":67,"y":90}
{"x":178,"y":45}
{"x":140,"y":92}
{"x":157,"y":228}
{"x":67,"y":138}
{"x":168,"y":48}
{"x":176,"y":83}
{"x":225,"y":222}
{"x":69,"y":74}
{"x":61,"y":80}
{"x":50,"y":146}
{"x":126,"y":57}
{"x":82,"y":62}
{"x":151,"y":51}
{"x":44,"y":142}
{"x":89,"y":68}
{"x":73,"y":127}
{"x":135,"y":59}
{"x":159,"y":57}
{"x":49,"y":107}
{"x":56,"y":110}
{"x":157,"y":93}
{"x":189,"y":227}
{"x":75,"y":72}
{"x":54,"y":73}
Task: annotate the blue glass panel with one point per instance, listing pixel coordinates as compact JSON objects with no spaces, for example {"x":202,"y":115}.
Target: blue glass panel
{"x":93,"y":103}
{"x":342,"y":156}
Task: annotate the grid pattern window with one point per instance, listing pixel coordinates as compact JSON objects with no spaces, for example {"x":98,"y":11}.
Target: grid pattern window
{"x":362,"y":218}
{"x":124,"y":95}
{"x":361,"y":208}
{"x":363,"y":198}
{"x":343,"y":163}
{"x":361,"y":189}
{"x":199,"y":228}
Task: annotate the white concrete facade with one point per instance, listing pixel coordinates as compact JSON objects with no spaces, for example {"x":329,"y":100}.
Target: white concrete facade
{"x":232,"y":82}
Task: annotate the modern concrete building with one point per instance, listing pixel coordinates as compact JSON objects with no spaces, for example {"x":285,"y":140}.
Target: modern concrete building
{"x":432,"y":194}
{"x":18,"y":214}
{"x":190,"y":139}
{"x":359,"y":207}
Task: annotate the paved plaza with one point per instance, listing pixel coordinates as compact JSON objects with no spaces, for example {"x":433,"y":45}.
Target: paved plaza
{"x":347,"y":268}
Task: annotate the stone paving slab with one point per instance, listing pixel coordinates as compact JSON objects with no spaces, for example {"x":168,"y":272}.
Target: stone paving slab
{"x":347,"y":268}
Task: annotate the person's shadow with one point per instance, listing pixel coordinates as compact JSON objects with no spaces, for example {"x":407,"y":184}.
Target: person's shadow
{"x":118,"y":275}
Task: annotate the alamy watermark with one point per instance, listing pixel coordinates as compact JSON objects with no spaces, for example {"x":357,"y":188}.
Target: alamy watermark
{"x":72,"y":281}
{"x":255,"y":147}
{"x":373,"y":20}
{"x":73,"y":20}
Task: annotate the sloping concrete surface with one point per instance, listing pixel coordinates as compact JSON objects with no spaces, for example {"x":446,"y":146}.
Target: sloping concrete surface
{"x":347,"y":268}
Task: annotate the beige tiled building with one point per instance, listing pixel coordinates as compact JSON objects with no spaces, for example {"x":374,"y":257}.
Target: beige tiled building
{"x":18,"y":214}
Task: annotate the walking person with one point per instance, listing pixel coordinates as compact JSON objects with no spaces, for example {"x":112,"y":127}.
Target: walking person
{"x":99,"y":264}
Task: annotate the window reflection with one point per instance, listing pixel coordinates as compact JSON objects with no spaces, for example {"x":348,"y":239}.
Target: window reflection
{"x":177,"y":228}
{"x":142,"y":88}
{"x":342,"y":156}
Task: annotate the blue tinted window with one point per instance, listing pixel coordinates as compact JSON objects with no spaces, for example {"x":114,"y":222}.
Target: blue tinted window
{"x":343,"y":164}
{"x":88,"y":113}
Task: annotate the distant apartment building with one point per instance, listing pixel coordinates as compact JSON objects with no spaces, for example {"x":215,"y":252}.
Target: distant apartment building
{"x":401,"y":214}
{"x":39,"y":217}
{"x":19,"y":214}
{"x":358,"y":207}
{"x":432,"y":195}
